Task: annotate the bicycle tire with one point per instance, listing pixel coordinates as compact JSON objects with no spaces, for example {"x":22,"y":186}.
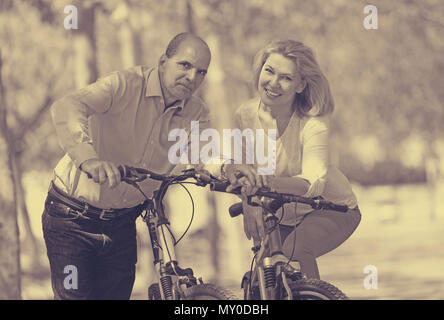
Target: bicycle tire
{"x":250,"y":293}
{"x":154,"y":292}
{"x":314,"y":289}
{"x":208,"y":291}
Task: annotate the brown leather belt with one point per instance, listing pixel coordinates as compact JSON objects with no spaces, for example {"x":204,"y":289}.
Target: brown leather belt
{"x":72,"y":205}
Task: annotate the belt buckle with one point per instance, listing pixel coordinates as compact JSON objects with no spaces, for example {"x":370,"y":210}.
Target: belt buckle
{"x":102,"y":215}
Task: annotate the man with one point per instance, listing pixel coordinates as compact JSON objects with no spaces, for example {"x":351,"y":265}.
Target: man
{"x":123,"y":118}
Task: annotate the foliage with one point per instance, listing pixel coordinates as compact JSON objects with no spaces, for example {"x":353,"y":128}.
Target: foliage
{"x":385,"y":81}
{"x":397,"y":65}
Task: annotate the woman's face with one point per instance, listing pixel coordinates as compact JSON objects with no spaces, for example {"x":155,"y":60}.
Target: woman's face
{"x":279,"y":81}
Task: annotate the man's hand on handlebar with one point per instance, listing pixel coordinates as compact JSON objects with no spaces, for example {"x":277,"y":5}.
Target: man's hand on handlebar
{"x":101,"y":171}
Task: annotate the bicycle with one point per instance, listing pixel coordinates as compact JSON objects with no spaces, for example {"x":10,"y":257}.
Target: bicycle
{"x":176,"y":283}
{"x":272,"y":278}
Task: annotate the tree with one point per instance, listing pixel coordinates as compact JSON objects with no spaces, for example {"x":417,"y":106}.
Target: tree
{"x":85,"y":44}
{"x":10,"y":277}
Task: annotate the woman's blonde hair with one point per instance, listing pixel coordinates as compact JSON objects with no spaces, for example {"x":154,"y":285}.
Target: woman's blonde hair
{"x":316,"y":98}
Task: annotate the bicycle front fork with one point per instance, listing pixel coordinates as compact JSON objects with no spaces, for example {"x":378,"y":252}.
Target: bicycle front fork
{"x":170,"y":274}
{"x":274,"y":267}
{"x":267,"y":279}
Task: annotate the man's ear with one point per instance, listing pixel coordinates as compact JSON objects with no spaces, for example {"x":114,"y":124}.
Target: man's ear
{"x":162,"y":60}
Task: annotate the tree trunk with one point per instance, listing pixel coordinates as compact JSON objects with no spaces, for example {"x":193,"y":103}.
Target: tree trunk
{"x":213,"y":229}
{"x":10,"y":277}
{"x":85,"y":46}
{"x":231,"y":242}
{"x":129,"y":45}
{"x":29,"y":242}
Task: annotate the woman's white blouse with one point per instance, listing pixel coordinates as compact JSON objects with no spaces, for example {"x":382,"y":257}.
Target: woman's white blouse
{"x":301,"y":151}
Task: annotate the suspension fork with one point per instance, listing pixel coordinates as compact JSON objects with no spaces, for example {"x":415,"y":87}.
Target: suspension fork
{"x":150,"y":222}
{"x":270,"y":252}
{"x":265,"y":272}
{"x":166,"y":240}
{"x":165,"y":262}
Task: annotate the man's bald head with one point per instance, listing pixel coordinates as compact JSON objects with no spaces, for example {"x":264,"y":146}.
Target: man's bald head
{"x":188,"y":37}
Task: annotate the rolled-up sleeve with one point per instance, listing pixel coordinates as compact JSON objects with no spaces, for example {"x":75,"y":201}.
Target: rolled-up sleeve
{"x":315,"y":154}
{"x":70,"y":116}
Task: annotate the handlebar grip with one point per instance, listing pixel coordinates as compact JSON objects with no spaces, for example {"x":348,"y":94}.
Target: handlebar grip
{"x":124,"y":171}
{"x":219,"y":186}
{"x":139,"y":174}
{"x":222,"y":187}
{"x":336,"y":207}
{"x":235,"y":209}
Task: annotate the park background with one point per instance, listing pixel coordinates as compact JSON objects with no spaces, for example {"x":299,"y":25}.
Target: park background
{"x":387,"y":130}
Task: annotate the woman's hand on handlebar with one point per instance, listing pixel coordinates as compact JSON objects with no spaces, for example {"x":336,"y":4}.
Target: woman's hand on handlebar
{"x":245,"y":176}
{"x":101,"y":171}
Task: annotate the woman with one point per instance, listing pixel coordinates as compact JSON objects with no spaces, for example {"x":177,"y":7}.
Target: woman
{"x":294,"y":99}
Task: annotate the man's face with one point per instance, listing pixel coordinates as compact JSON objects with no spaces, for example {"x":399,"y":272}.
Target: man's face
{"x":182,"y":73}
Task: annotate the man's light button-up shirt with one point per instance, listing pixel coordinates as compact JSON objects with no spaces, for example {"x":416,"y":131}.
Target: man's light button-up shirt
{"x":119,"y":119}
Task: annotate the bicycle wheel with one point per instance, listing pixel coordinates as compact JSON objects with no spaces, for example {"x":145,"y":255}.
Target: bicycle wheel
{"x":154,"y":292}
{"x":250,"y":293}
{"x":313,"y":289}
{"x":208,"y":291}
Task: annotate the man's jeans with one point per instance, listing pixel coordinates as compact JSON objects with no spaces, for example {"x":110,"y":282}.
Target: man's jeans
{"x":90,"y":259}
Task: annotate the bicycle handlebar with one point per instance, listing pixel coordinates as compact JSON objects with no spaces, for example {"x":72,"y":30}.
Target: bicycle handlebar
{"x":280,"y":198}
{"x":127,"y":172}
{"x":132,"y":174}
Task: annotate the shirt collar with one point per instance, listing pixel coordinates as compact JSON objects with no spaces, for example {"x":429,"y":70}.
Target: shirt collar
{"x":154,"y":89}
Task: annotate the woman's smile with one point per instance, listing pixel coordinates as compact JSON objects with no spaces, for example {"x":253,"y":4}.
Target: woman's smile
{"x":271,"y":93}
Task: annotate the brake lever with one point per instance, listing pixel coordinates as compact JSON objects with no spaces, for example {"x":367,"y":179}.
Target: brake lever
{"x":254,"y":204}
{"x":251,"y":203}
{"x":133,"y":177}
{"x":132,"y":182}
{"x":203,"y":178}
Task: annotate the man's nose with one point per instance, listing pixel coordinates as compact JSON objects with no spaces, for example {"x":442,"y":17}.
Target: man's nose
{"x":191,"y":74}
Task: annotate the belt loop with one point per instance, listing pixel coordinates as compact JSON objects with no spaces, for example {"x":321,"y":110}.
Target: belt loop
{"x":85,"y":210}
